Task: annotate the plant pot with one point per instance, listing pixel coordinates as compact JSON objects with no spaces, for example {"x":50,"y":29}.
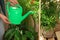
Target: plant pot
{"x":48,"y":34}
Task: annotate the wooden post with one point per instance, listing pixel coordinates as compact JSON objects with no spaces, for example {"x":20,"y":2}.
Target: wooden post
{"x":39,"y":17}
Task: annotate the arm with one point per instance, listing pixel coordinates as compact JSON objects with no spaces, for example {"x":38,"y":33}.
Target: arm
{"x":13,"y":2}
{"x":3,"y":17}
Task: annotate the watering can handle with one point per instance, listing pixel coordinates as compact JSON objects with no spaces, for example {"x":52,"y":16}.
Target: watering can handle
{"x":8,"y":5}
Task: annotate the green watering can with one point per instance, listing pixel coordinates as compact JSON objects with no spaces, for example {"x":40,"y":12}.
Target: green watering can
{"x":15,"y":13}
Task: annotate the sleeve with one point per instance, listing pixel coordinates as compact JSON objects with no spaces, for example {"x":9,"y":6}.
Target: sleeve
{"x":3,"y":7}
{"x":0,"y":10}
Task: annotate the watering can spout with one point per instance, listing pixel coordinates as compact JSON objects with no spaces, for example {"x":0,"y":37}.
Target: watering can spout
{"x":24,"y":16}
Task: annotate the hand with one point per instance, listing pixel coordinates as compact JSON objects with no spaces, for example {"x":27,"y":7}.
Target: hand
{"x":4,"y":18}
{"x":13,"y":2}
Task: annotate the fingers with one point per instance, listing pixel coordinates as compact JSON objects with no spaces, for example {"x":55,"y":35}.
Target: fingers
{"x":4,"y":18}
{"x":13,"y":2}
{"x":6,"y":21}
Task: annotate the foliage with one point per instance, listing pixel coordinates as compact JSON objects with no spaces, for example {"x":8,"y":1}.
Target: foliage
{"x":17,"y":32}
{"x":48,"y":22}
{"x":48,"y":15}
{"x":30,"y":5}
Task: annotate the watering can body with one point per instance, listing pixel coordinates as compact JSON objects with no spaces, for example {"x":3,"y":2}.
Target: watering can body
{"x":15,"y":13}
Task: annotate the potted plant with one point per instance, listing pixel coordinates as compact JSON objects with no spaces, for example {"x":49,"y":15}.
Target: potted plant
{"x":18,"y":32}
{"x":48,"y":18}
{"x":48,"y":25}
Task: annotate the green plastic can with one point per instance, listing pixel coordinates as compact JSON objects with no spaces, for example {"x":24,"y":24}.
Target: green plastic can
{"x":15,"y":13}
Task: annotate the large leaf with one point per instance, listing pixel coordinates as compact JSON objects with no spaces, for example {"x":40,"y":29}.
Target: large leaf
{"x":17,"y":35}
{"x":8,"y":33}
{"x":24,"y":37}
{"x":11,"y":36}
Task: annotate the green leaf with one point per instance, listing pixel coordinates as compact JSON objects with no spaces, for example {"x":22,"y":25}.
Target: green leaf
{"x":17,"y":35}
{"x":11,"y":36}
{"x":28,"y":34}
{"x":8,"y":33}
{"x":32,"y":38}
{"x":24,"y":37}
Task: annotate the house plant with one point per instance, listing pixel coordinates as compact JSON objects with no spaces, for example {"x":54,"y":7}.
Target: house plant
{"x":48,"y":17}
{"x":18,"y":32}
